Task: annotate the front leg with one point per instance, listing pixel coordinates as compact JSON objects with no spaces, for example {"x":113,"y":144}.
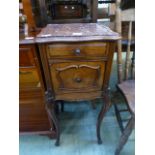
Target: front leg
{"x":50,"y":107}
{"x":104,"y":109}
{"x":51,"y":113}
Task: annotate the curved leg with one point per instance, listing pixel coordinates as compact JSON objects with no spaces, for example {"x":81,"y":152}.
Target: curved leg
{"x":104,"y":109}
{"x":50,"y":107}
{"x":127,"y":131}
{"x":51,"y":113}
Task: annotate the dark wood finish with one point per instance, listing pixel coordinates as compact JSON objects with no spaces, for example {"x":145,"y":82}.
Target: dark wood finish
{"x":77,"y":61}
{"x":51,"y":11}
{"x":68,"y":11}
{"x":32,"y":113}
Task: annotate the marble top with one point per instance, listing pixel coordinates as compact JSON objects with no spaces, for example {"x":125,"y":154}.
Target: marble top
{"x":76,"y":29}
{"x":72,"y":32}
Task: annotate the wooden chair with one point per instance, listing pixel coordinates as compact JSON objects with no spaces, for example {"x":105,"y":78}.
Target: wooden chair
{"x":125,"y":86}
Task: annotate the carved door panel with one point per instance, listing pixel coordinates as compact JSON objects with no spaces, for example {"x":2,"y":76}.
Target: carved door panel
{"x":77,"y":76}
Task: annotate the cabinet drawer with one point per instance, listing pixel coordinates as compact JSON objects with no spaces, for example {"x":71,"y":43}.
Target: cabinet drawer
{"x":68,"y":11}
{"x":26,"y":56}
{"x":28,"y":78}
{"x":94,"y":49}
{"x":77,"y":76}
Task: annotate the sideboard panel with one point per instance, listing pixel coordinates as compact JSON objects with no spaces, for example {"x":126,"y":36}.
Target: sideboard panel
{"x":32,"y":113}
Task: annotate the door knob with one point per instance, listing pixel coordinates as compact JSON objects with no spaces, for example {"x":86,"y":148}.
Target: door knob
{"x":78,"y":80}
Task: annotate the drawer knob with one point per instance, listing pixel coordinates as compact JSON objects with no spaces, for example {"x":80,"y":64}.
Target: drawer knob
{"x":77,"y":51}
{"x":78,"y":80}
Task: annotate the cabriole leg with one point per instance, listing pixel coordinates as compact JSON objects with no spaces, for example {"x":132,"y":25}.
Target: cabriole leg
{"x":104,"y":109}
{"x":51,"y":113}
{"x":50,"y":107}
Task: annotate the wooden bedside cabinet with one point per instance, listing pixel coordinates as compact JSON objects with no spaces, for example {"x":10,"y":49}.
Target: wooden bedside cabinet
{"x":32,"y":114}
{"x":77,"y":61}
{"x":75,"y":67}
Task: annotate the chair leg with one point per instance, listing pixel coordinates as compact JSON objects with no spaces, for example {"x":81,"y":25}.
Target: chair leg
{"x":104,"y":109}
{"x":119,"y":120}
{"x":127,"y":131}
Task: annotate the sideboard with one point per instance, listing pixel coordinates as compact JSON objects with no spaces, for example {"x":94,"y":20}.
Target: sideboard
{"x":33,"y":117}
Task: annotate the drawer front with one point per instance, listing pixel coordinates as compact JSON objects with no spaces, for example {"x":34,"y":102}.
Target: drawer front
{"x":26,"y":56}
{"x":77,"y":76}
{"x":94,"y":49}
{"x":28,"y":78}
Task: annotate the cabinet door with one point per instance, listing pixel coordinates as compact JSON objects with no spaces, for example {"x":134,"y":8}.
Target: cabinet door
{"x":77,"y":76}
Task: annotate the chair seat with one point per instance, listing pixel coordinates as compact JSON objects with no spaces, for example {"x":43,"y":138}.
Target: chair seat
{"x":128,"y":89}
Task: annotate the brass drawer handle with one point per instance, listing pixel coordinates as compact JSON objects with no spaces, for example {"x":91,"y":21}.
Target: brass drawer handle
{"x":77,"y":51}
{"x":78,"y":80}
{"x":24,"y":72}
